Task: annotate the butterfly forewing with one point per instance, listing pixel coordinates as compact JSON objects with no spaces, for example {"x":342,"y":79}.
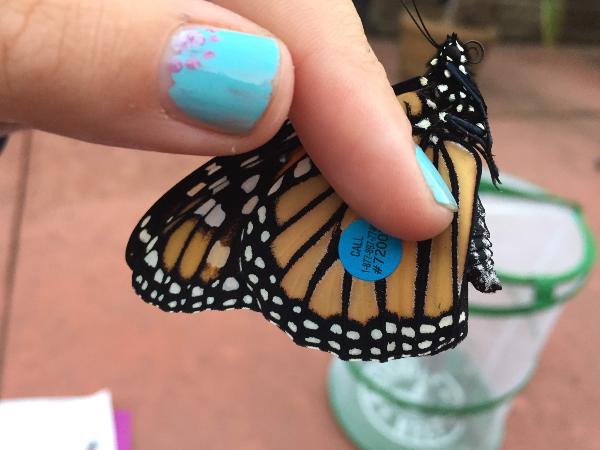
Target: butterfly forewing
{"x":185,"y":252}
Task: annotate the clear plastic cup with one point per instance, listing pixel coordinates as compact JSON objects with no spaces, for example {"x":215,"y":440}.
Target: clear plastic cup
{"x":459,"y":399}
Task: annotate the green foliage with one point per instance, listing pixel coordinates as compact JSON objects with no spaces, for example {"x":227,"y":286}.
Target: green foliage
{"x":551,"y":20}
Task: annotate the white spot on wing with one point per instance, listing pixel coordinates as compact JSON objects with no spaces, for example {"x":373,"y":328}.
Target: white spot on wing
{"x":310,"y":325}
{"x":249,"y":185}
{"x":427,"y":329}
{"x":206,"y":207}
{"x":151,"y":244}
{"x":219,"y":184}
{"x":446,"y":321}
{"x":334,"y":345}
{"x":230,"y":284}
{"x":250,"y":205}
{"x":212,"y":168}
{"x":152,"y":258}
{"x":193,"y":191}
{"x":158,"y":276}
{"x":249,"y":161}
{"x":262,"y":214}
{"x":354,"y":335}
{"x":336,"y":329}
{"x":408,"y":332}
{"x":145,"y":236}
{"x":302,"y":167}
{"x":276,"y":186}
{"x":216,"y":217}
{"x":197,"y":291}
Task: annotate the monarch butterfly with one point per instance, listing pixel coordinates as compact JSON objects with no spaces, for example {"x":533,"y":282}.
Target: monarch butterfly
{"x":262,"y":231}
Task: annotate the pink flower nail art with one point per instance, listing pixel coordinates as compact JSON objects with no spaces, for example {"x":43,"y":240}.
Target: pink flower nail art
{"x":192,"y":63}
{"x":174,"y":65}
{"x":187,"y":39}
{"x":209,"y":54}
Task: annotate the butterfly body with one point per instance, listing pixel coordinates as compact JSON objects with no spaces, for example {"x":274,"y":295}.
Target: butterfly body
{"x":262,"y":231}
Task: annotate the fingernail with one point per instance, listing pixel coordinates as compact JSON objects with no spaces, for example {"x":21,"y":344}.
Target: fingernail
{"x":219,"y":77}
{"x":434,"y":180}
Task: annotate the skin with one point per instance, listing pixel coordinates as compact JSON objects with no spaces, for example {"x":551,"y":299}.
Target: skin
{"x":89,"y":69}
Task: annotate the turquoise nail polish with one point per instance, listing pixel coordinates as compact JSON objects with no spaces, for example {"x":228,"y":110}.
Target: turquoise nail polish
{"x":434,"y":180}
{"x":222,"y":78}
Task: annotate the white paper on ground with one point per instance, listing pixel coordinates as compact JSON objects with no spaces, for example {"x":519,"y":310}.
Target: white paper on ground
{"x":62,"y":423}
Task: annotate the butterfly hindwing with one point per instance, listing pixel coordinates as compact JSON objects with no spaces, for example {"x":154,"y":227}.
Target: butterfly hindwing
{"x":291,"y":260}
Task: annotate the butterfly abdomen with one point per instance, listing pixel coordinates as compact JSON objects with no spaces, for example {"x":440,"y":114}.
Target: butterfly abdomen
{"x":481,"y":272}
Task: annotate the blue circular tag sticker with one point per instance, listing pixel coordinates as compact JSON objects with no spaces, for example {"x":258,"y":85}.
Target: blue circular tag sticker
{"x":367,"y":253}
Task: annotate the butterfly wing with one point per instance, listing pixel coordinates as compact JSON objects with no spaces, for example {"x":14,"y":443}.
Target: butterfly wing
{"x":292,"y":263}
{"x":184,"y":253}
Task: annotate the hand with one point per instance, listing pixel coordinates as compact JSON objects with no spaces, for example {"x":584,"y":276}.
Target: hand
{"x":216,"y":78}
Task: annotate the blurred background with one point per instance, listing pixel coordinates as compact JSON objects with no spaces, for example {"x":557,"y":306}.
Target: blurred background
{"x":227,"y":380}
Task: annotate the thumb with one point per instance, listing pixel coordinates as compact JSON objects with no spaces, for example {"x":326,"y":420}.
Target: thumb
{"x":349,"y":119}
{"x":171,"y":75}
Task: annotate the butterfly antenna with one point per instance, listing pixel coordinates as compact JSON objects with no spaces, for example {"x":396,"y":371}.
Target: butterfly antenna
{"x":431,"y":39}
{"x":419,"y":23}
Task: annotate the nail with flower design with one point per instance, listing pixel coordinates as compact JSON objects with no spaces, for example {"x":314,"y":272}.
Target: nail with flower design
{"x":220,"y":78}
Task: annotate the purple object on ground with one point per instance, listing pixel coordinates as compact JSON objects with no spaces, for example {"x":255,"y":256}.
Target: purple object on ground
{"x":123,"y":429}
